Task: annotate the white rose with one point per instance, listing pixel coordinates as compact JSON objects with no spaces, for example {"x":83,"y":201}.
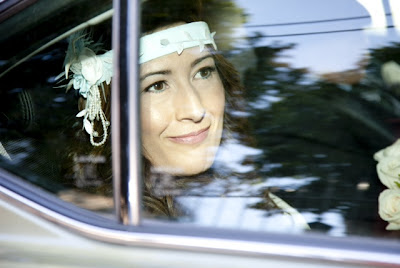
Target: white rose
{"x":392,"y":150}
{"x":388,"y":170}
{"x":92,"y":66}
{"x":389,"y":208}
{"x":391,"y":73}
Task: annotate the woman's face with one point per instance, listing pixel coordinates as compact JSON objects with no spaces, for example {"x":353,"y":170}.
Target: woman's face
{"x":182,"y":110}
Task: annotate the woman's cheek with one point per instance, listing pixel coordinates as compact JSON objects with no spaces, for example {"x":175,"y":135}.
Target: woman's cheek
{"x":153,"y":118}
{"x":144,"y":115}
{"x":219,"y":102}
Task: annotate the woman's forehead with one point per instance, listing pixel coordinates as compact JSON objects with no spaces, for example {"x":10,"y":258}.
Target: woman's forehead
{"x":189,"y":57}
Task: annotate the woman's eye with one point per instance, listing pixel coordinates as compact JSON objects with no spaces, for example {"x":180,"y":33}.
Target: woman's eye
{"x":156,"y":87}
{"x":205,"y":73}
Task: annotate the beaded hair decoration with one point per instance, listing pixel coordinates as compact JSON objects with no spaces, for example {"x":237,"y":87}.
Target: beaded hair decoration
{"x":91,"y":71}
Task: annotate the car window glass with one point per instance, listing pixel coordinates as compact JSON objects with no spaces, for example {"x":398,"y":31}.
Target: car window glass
{"x":319,"y":98}
{"x":42,"y":140}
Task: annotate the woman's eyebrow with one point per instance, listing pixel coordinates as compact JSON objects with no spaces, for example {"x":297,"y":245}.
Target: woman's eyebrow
{"x":197,"y":61}
{"x":154,"y":73}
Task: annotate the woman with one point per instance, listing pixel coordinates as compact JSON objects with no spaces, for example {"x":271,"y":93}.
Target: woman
{"x":182,"y":99}
{"x":199,"y":86}
{"x":185,"y":87}
{"x":184,"y":83}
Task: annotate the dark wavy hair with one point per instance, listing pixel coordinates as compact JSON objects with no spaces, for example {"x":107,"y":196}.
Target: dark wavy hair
{"x":157,"y":14}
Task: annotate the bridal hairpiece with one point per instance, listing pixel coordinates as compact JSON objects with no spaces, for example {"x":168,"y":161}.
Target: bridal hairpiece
{"x":90,"y":71}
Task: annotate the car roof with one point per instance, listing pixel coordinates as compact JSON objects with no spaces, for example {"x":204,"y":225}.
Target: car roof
{"x":38,"y":22}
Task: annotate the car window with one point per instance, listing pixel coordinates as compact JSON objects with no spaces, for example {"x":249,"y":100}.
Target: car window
{"x":317,"y":99}
{"x":240,"y":115}
{"x":42,"y":140}
{"x":292,"y":111}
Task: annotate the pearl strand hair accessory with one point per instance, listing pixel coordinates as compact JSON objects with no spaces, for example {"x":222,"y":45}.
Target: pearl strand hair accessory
{"x":90,"y":71}
{"x":175,"y":39}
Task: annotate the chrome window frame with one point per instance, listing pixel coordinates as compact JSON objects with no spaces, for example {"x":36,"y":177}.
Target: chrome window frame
{"x":131,"y":230}
{"x":125,"y":113}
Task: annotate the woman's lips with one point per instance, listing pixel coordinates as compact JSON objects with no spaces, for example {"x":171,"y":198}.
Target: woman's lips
{"x":191,"y":138}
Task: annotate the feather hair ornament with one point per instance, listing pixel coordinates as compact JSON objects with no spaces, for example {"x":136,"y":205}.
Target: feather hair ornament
{"x":89,"y":72}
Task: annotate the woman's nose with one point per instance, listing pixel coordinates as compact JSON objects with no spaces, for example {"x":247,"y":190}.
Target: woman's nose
{"x":188,"y":104}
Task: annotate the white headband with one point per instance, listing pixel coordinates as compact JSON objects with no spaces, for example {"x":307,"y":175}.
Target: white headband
{"x":175,"y":39}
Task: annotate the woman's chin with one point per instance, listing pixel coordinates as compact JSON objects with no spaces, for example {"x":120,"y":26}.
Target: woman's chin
{"x":189,"y":163}
{"x":189,"y":171}
{"x":184,"y":169}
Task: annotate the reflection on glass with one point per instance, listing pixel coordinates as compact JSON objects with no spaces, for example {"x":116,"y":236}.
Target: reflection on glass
{"x":41,"y":139}
{"x":314,"y":108}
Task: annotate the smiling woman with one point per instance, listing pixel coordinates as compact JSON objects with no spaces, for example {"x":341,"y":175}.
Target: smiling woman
{"x":188,"y":94}
{"x":184,"y":83}
{"x":182,"y":106}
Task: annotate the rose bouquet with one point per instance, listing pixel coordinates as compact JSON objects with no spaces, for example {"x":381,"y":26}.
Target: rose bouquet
{"x":388,"y":169}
